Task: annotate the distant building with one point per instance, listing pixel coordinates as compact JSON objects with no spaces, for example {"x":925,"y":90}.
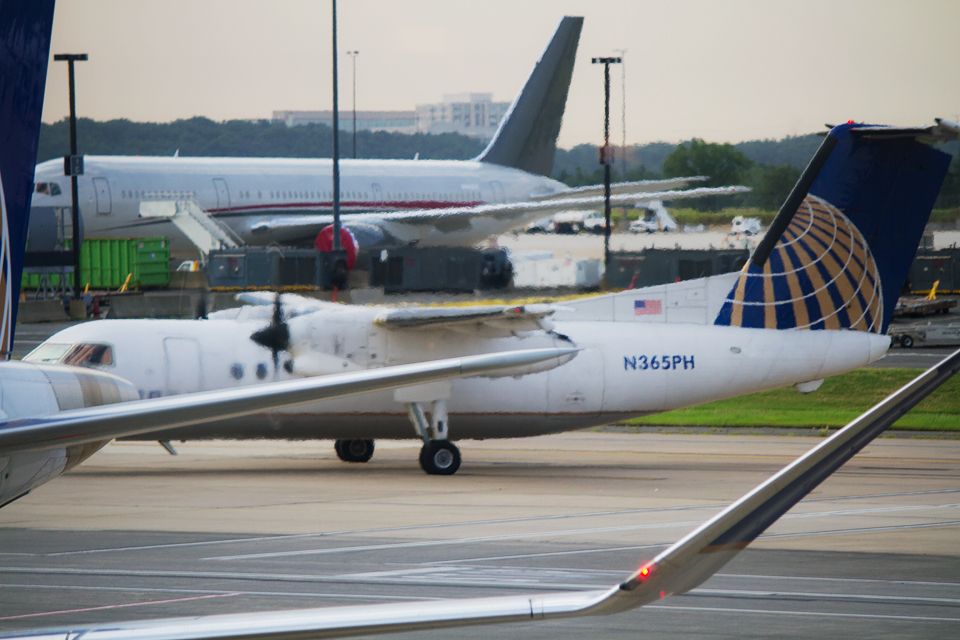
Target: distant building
{"x":393,"y":121}
{"x":471,"y":114}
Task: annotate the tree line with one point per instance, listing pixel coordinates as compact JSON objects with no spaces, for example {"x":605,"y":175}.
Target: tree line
{"x":769,"y":167}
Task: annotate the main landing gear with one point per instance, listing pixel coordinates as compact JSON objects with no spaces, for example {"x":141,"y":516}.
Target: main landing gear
{"x":438,"y":456}
{"x":354,"y":450}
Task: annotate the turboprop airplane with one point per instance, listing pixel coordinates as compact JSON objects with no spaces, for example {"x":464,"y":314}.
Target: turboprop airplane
{"x":385,"y":203}
{"x":54,"y":417}
{"x":676,"y":570}
{"x":814,"y":300}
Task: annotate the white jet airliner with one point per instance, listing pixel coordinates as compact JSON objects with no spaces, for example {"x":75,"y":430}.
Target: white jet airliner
{"x":814,"y":300}
{"x":384,"y":202}
{"x":54,"y":417}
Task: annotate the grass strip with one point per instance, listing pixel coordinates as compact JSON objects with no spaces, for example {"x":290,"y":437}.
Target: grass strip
{"x":838,"y":401}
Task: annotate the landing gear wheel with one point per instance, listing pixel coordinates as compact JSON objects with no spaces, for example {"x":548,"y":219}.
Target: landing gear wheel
{"x":906,"y":342}
{"x":440,"y":458}
{"x":354,"y":450}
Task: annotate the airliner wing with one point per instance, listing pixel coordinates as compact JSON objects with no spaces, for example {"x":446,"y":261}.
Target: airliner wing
{"x":676,"y":570}
{"x":617,"y":188}
{"x":104,"y":422}
{"x":482,"y":220}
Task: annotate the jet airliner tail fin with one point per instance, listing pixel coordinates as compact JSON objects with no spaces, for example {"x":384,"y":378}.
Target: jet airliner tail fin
{"x":24,"y":51}
{"x":527,"y":136}
{"x":838,"y":252}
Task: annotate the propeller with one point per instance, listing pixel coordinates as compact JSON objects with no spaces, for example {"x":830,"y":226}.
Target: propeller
{"x":276,"y":335}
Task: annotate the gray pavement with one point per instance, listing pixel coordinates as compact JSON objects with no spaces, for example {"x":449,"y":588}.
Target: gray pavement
{"x":229,"y":527}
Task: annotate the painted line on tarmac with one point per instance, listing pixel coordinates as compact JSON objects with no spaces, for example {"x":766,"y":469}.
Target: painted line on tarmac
{"x":747,"y":593}
{"x":280,"y":594}
{"x":817,"y":614}
{"x":594,"y":530}
{"x":467,"y":523}
{"x":452,"y":541}
{"x":41,"y":614}
{"x":760,"y":576}
{"x":663,"y":545}
{"x":374,"y":530}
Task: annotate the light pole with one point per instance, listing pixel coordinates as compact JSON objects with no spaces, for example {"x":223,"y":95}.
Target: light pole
{"x":623,"y":114}
{"x":353,"y":56}
{"x":336,"y":140}
{"x":606,"y":157}
{"x":73,"y":166}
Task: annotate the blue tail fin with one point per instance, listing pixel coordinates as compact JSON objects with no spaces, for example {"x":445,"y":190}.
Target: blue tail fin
{"x":25,"y":27}
{"x":838,"y":253}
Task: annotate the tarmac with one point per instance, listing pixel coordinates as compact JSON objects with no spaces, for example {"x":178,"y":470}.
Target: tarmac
{"x":223,"y":527}
{"x":135,"y":533}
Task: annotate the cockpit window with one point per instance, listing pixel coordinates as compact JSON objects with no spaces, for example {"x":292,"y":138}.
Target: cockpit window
{"x":89,"y":355}
{"x":48,"y":352}
{"x":78,"y":355}
{"x":48,"y":188}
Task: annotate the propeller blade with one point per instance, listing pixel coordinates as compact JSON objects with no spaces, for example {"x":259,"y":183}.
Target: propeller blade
{"x":275,"y":336}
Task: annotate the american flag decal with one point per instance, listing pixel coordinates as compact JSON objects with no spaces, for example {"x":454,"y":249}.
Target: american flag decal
{"x":647,"y":307}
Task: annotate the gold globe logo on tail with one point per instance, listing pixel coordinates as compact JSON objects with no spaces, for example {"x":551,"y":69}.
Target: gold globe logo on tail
{"x":820,"y":275}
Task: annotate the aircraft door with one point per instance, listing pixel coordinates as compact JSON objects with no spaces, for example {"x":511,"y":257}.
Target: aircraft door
{"x":570,"y":391}
{"x":102,"y":190}
{"x":223,"y":193}
{"x":376,"y":194}
{"x":183,"y":365}
{"x":495,"y":193}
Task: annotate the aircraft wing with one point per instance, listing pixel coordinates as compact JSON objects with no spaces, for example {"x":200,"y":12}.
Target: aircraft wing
{"x":483,"y":220}
{"x":508,"y":318}
{"x":676,"y":570}
{"x":105,"y":422}
{"x":617,"y":188}
{"x":258,"y":305}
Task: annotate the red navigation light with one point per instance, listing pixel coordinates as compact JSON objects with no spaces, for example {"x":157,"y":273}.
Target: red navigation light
{"x":850,"y":122}
{"x":644,"y":572}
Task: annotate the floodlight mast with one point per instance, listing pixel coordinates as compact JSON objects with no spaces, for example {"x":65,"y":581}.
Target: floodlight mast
{"x":73,"y":165}
{"x":606,"y":156}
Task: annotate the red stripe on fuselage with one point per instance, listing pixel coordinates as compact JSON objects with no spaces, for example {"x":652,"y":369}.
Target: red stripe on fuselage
{"x":368,"y":206}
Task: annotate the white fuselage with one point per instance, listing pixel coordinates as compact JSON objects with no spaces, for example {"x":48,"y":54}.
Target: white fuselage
{"x":31,"y":391}
{"x":623,"y":369}
{"x":247,"y":194}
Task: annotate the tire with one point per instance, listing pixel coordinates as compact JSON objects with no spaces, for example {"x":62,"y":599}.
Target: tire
{"x":906,"y":342}
{"x":440,"y":458}
{"x":354,"y":450}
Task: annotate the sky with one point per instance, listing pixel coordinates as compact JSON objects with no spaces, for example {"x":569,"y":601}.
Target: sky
{"x":722,"y":70}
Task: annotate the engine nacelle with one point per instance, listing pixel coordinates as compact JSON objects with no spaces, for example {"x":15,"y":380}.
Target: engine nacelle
{"x":324,"y":243}
{"x":28,"y":390}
